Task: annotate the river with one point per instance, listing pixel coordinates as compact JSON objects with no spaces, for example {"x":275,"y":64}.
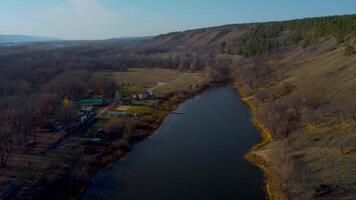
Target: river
{"x":197,"y":155}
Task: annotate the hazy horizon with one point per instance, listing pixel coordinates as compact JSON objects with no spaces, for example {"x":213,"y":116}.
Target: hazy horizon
{"x":105,"y":19}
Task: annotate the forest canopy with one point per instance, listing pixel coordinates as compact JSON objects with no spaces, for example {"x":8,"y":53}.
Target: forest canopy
{"x":269,"y":37}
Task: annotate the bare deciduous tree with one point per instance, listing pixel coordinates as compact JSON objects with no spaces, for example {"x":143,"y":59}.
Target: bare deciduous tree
{"x":6,"y":145}
{"x":284,"y":169}
{"x":262,"y":96}
{"x":298,"y":104}
{"x":312,"y":116}
{"x":275,"y":119}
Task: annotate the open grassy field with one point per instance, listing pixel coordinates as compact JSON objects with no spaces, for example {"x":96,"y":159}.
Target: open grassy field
{"x":161,"y":81}
{"x":324,"y":72}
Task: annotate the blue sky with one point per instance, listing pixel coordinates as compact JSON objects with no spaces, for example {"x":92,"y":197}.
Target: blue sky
{"x":100,"y":19}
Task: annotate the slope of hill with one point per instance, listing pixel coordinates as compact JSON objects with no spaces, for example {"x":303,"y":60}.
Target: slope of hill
{"x":315,"y":159}
{"x":300,"y":78}
{"x":207,"y":37}
{"x":260,"y":38}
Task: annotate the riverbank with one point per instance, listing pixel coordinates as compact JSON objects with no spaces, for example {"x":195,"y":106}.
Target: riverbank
{"x":255,"y":156}
{"x":87,"y":158}
{"x":111,"y":155}
{"x":190,"y":156}
{"x":99,"y":156}
{"x":107,"y":157}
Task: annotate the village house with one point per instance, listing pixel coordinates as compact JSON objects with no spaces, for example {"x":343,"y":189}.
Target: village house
{"x":87,"y":105}
{"x":141,"y":96}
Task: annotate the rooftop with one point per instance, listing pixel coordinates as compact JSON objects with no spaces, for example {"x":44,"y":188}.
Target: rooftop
{"x":92,"y":101}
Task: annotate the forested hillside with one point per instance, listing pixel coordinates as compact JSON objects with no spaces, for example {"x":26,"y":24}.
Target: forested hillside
{"x":299,"y":77}
{"x":260,"y":38}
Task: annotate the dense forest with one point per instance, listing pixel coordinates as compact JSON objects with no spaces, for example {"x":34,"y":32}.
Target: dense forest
{"x":260,"y":38}
{"x":269,"y":37}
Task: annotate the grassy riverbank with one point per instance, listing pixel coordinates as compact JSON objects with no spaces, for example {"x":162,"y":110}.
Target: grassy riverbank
{"x":254,"y":156}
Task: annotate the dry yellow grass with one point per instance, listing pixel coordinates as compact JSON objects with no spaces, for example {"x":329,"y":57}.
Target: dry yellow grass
{"x":324,"y":73}
{"x":184,"y":83}
{"x":146,"y":77}
{"x":122,"y":108}
{"x":168,"y":80}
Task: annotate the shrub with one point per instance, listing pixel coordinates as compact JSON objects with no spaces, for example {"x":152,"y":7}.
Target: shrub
{"x":349,"y":50}
{"x":113,"y":128}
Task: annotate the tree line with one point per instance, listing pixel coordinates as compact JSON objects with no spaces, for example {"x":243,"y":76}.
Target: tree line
{"x":269,"y":37}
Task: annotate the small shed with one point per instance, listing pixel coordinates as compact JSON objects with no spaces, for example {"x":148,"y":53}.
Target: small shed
{"x":87,"y":105}
{"x":92,"y":102}
{"x":86,"y":108}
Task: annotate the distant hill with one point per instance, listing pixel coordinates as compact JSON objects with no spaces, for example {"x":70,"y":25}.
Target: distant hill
{"x":22,"y":38}
{"x":142,"y":38}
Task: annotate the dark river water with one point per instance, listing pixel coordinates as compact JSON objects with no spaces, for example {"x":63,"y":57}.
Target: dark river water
{"x":194,"y":156}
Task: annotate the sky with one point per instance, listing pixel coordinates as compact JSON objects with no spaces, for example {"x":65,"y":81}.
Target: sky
{"x":103,"y":19}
